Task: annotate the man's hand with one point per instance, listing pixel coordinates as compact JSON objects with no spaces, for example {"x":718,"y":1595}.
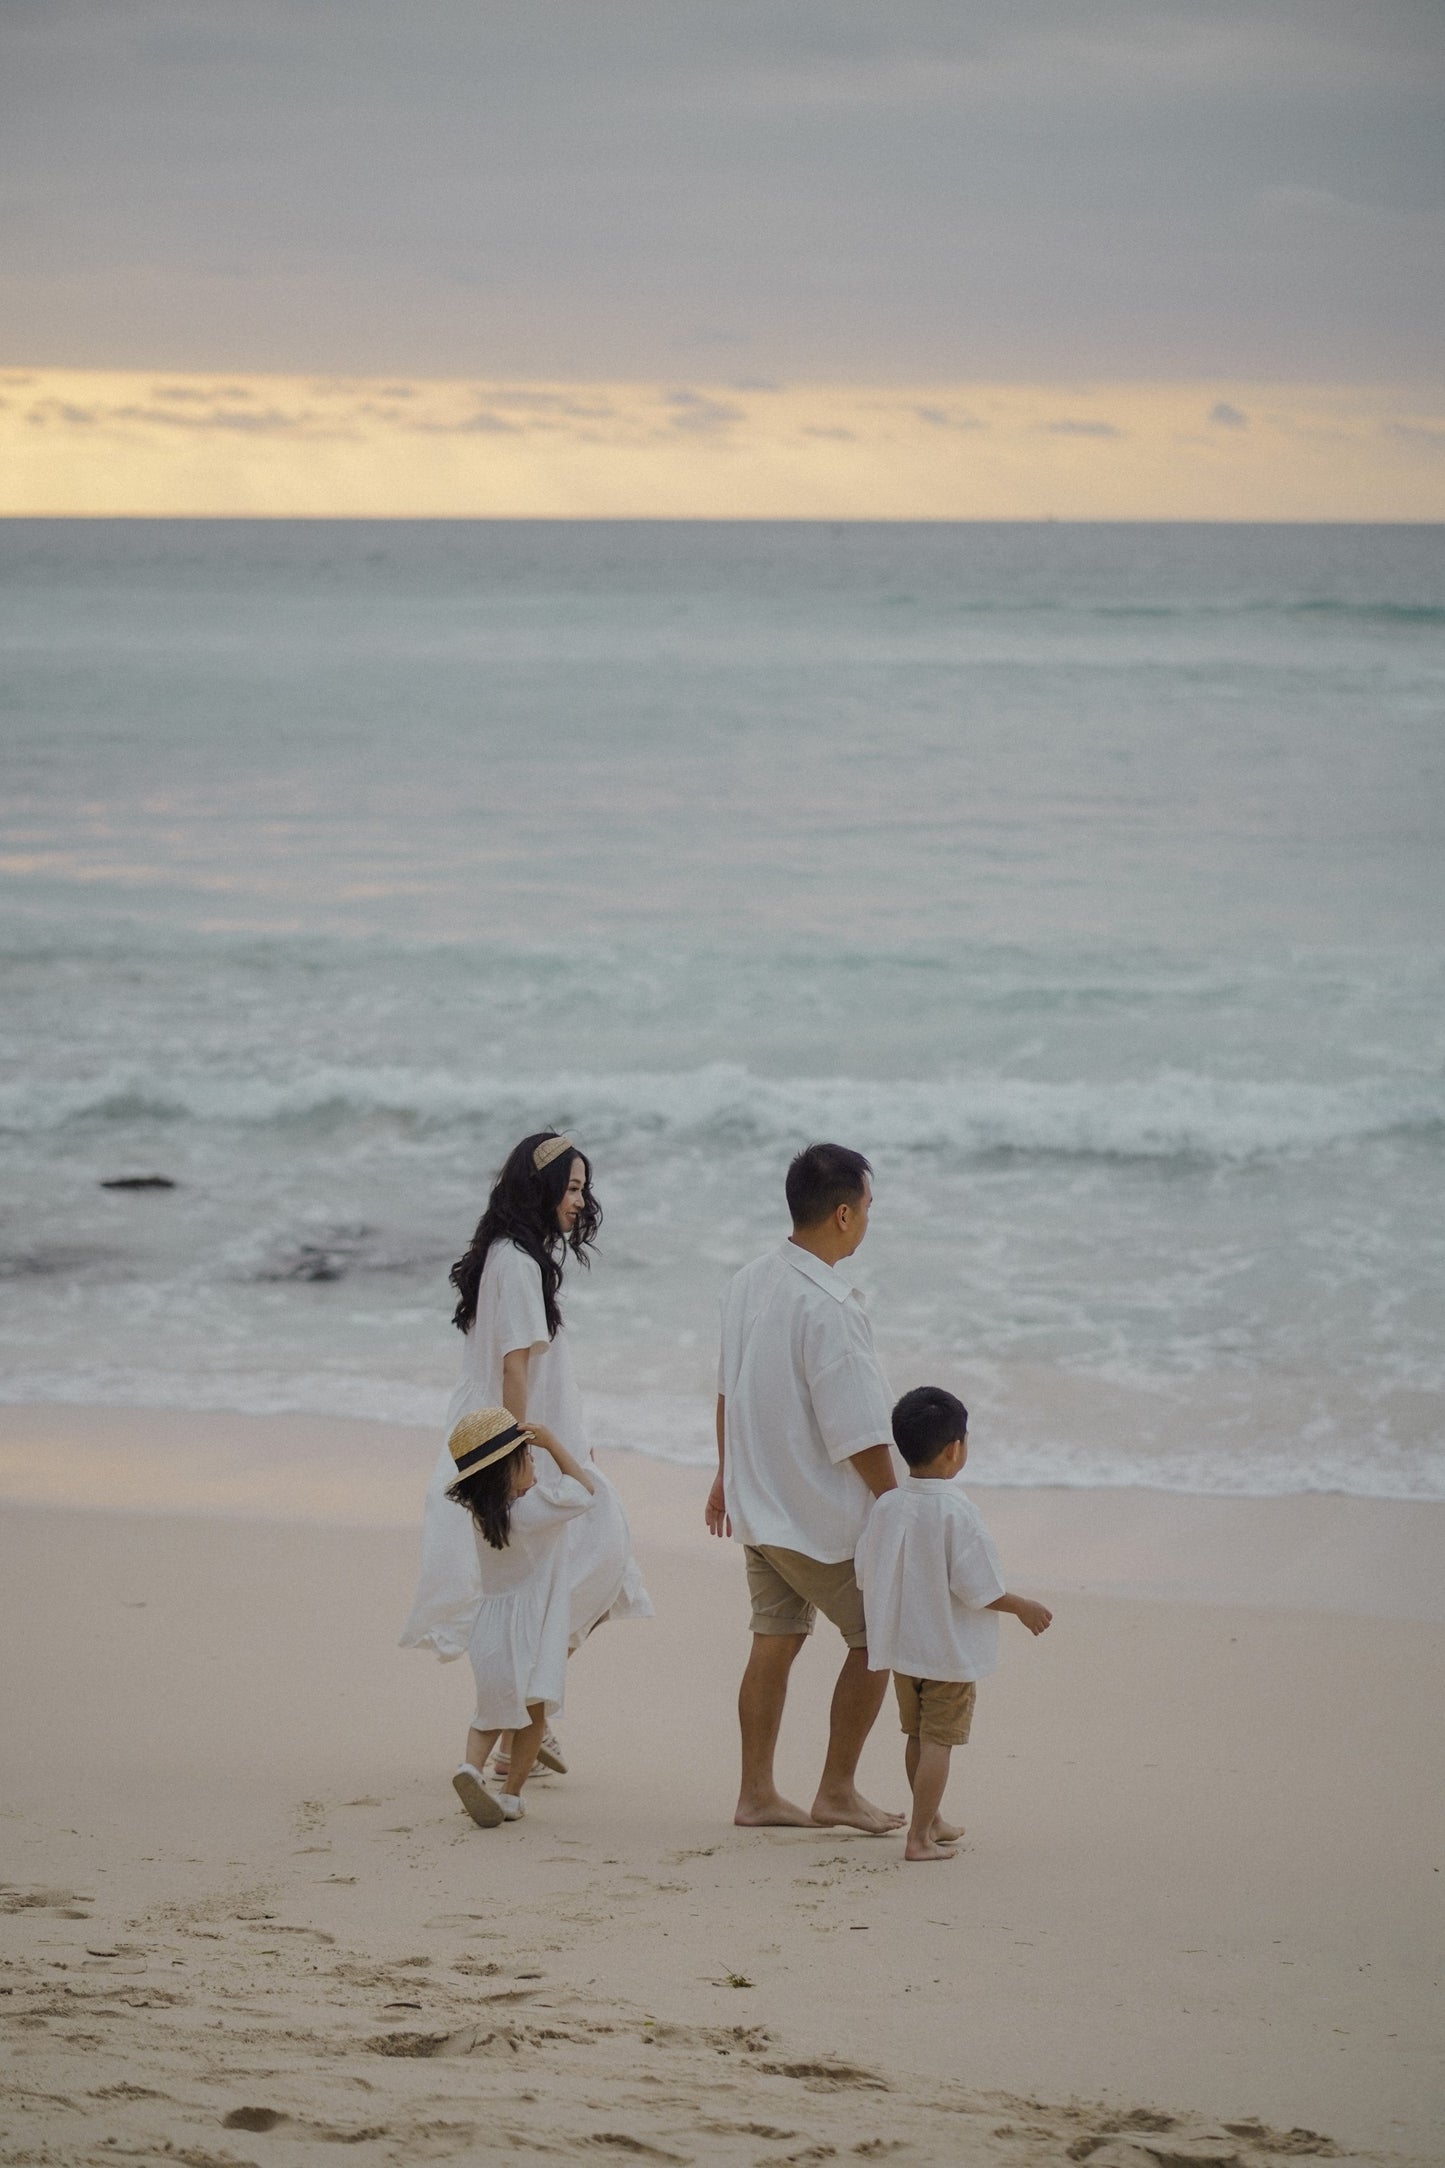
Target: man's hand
{"x":716,"y":1513}
{"x":1036,"y":1616}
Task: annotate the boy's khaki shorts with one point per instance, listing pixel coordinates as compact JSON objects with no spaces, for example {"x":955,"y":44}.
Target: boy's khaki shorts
{"x":788,"y":1589}
{"x":938,"y":1710}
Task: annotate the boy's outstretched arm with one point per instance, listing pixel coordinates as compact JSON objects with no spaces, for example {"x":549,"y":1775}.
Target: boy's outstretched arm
{"x":1036,"y":1616}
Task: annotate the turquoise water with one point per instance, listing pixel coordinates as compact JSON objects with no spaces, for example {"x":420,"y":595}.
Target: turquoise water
{"x":1090,"y":880}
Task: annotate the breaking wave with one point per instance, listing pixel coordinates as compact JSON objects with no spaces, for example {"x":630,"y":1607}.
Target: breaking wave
{"x":1174,"y":1114}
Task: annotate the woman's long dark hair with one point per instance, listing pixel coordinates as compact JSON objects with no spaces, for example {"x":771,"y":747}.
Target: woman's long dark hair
{"x":523,"y":1209}
{"x":487,"y":1496}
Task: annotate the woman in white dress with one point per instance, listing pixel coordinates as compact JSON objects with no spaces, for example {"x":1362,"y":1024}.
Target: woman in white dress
{"x":516,"y":1356}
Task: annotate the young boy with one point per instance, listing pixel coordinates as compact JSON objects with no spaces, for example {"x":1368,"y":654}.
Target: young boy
{"x":931,"y":1593}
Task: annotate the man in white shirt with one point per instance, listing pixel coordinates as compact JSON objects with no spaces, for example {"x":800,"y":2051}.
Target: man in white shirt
{"x":802,"y":1431}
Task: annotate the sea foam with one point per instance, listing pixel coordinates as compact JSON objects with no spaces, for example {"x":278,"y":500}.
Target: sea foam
{"x":1173,"y":1114}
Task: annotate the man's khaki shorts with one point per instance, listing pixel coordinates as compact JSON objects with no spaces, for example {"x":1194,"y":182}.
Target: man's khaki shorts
{"x":938,"y":1710}
{"x":788,"y":1589}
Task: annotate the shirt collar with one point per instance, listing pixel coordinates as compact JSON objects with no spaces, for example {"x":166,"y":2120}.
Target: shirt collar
{"x":828,"y":1277}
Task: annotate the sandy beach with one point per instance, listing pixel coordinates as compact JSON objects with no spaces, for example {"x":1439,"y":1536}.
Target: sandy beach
{"x":1197,"y":1916}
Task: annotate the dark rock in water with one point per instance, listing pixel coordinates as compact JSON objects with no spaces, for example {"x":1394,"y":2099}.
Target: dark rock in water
{"x":58,"y":1261}
{"x":309,"y":1263}
{"x":139,"y":1181}
{"x":334,"y":1252}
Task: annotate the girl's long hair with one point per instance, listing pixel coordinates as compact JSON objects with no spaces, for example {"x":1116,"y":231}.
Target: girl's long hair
{"x":523,"y":1209}
{"x":487,"y":1496}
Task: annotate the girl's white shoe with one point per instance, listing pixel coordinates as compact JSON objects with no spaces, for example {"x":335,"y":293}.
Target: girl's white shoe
{"x":510,"y":1806}
{"x":470,"y":1787}
{"x":549,"y":1756}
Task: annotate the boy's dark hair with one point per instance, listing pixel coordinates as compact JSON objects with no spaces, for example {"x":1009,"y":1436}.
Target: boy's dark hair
{"x":822,"y":1177}
{"x":487,"y":1496}
{"x":925,"y":1421}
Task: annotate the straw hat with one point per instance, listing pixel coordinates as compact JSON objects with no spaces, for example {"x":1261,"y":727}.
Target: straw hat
{"x":487,"y":1434}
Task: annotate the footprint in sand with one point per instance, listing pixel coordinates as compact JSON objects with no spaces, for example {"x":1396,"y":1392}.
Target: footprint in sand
{"x":312,"y":1934}
{"x":66,"y":1902}
{"x":621,"y":2142}
{"x":748,"y":2130}
{"x":827,"y":2077}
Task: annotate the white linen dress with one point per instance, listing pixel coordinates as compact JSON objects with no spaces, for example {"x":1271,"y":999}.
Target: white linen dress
{"x":519,"y":1637}
{"x":602,"y":1576}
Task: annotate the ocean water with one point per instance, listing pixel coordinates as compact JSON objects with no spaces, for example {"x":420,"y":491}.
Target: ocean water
{"x":1091,"y":880}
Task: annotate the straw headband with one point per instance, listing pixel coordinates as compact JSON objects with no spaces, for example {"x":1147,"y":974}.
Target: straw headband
{"x":484,"y":1436}
{"x":551,"y":1149}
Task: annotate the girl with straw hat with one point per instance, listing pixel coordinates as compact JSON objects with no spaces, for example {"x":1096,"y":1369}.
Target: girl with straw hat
{"x":518,"y":1646}
{"x":516,"y":1357}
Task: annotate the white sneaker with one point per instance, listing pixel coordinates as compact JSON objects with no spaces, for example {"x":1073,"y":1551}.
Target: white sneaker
{"x":549,"y":1756}
{"x":509,"y":1806}
{"x":470,"y":1788}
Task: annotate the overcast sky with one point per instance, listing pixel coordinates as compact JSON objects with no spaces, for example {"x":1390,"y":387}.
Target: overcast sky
{"x":844,"y":190}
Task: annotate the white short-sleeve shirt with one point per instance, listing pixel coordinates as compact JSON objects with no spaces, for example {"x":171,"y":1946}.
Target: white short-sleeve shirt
{"x":802,"y":1391}
{"x":928,"y":1569}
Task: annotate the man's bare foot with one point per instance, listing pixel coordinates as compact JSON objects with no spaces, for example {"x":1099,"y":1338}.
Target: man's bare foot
{"x":850,"y":1810}
{"x":928,"y":1850}
{"x":773,"y":1813}
{"x":944,"y":1832}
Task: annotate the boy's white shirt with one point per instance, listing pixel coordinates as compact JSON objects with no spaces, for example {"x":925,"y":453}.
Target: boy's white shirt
{"x":927,"y":1568}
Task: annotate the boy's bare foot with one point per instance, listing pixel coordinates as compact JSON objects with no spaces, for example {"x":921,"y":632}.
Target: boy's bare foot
{"x":850,"y":1810}
{"x":944,"y":1832}
{"x":928,"y":1850}
{"x":772,"y":1813}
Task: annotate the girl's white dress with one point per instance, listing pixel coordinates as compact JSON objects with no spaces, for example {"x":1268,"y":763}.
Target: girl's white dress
{"x":602,"y":1576}
{"x":519,"y":1638}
